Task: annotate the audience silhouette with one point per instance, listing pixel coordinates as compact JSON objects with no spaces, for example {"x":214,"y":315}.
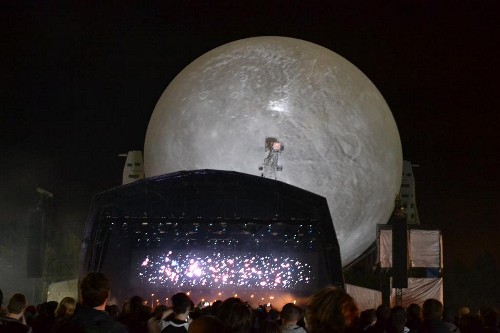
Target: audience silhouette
{"x":329,"y":310}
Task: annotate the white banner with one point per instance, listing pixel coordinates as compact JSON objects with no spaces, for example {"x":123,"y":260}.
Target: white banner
{"x":419,"y":289}
{"x":425,"y":248}
{"x":58,"y":290}
{"x":364,"y":297}
{"x":385,"y":248}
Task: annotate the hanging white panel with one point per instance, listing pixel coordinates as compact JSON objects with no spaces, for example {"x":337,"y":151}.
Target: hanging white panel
{"x":58,"y":290}
{"x":364,"y":297}
{"x":425,"y":248}
{"x":385,"y":248}
{"x":419,"y":289}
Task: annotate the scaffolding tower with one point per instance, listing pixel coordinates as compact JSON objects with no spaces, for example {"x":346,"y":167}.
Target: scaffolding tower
{"x":270,"y":165}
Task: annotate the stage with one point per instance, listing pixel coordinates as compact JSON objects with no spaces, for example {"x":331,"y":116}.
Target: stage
{"x":214,"y":234}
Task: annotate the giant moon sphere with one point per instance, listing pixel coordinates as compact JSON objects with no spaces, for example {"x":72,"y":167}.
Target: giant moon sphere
{"x":340,"y":138}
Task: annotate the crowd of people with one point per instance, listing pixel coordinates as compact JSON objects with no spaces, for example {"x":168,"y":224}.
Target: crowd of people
{"x":329,"y":310}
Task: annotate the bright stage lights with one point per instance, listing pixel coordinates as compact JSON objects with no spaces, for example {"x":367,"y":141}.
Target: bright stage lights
{"x":217,"y":270}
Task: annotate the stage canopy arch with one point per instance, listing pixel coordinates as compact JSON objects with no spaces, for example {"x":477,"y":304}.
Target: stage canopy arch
{"x":212,"y":233}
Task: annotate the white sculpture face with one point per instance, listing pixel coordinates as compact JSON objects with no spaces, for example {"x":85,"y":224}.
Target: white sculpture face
{"x":340,"y":137}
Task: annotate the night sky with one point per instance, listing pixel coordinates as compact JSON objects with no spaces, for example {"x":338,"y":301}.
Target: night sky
{"x":79,"y":83}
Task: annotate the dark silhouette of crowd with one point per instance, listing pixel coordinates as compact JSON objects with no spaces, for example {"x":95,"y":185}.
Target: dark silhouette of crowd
{"x":329,"y":310}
